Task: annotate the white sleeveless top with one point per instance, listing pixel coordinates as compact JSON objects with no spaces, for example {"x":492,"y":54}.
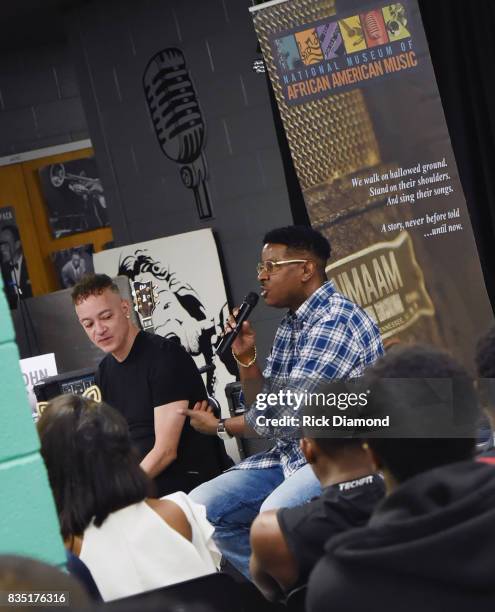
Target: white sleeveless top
{"x":135,"y":550}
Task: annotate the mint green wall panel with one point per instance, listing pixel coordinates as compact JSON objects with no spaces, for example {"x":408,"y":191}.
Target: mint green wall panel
{"x":28,"y":519}
{"x":17,"y":432}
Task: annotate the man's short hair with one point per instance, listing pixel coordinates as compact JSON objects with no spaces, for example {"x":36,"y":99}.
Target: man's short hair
{"x":485,"y":354}
{"x":300,"y":238}
{"x":332,"y":446}
{"x":92,"y":284}
{"x":406,"y":457}
{"x":329,"y":445}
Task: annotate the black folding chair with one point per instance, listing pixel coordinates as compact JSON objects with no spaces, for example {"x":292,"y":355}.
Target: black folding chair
{"x":216,"y":592}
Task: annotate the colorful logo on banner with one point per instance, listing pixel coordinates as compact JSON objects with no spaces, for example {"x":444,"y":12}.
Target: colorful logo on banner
{"x":331,"y":56}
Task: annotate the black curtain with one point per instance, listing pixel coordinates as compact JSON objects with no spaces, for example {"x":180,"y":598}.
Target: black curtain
{"x":461,"y":37}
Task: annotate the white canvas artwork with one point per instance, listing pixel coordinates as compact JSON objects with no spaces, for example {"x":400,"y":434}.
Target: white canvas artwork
{"x":192,"y":303}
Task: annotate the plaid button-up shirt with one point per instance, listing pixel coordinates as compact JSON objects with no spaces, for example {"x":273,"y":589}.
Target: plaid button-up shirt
{"x":328,"y":337}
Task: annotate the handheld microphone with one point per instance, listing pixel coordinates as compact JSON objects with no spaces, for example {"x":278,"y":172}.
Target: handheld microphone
{"x":245,"y":310}
{"x":177,"y":120}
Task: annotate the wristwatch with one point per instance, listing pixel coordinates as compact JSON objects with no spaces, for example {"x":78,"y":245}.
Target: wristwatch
{"x":222,"y":433}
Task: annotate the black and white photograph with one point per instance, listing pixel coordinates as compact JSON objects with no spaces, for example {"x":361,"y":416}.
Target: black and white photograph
{"x":12,"y":261}
{"x":74,"y":197}
{"x":73,"y":264}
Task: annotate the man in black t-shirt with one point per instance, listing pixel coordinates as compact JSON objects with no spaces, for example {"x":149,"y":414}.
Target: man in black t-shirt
{"x":148,"y":379}
{"x":287,"y":543}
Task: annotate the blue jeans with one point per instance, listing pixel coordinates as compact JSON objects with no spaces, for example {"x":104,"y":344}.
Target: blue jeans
{"x":235,"y":498}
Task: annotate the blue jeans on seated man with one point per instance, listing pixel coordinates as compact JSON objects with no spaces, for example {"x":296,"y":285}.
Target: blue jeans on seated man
{"x":235,"y":498}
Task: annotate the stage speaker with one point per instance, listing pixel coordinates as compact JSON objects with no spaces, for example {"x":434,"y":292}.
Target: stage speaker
{"x":75,"y":382}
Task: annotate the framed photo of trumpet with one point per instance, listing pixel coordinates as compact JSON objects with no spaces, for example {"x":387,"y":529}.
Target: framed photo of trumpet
{"x":74,"y":197}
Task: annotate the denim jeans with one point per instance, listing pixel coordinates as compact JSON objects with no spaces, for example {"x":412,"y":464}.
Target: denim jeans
{"x":235,"y":498}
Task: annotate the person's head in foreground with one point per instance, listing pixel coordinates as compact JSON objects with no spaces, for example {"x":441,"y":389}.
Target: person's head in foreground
{"x":404,"y":457}
{"x":292,"y":265}
{"x":92,"y":468}
{"x":23,"y":575}
{"x":429,"y":545}
{"x":334,"y":456}
{"x":104,"y":314}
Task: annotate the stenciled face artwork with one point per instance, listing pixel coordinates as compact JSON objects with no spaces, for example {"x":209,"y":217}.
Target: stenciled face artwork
{"x":180,"y":314}
{"x":104,"y":318}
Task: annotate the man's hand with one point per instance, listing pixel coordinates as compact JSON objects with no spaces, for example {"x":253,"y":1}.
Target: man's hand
{"x":202,"y":417}
{"x":243,"y":345}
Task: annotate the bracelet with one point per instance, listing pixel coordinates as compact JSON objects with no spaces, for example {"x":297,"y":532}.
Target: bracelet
{"x":245,"y":365}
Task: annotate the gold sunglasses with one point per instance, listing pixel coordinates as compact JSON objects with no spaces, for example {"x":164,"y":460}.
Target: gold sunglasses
{"x":271,"y":266}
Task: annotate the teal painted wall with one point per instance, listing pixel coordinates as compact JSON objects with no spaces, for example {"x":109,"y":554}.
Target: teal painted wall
{"x":28,"y":519}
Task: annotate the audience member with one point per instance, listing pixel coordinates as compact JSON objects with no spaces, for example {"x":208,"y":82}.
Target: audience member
{"x":130,"y":542}
{"x":428,"y":545}
{"x":287,"y":543}
{"x":81,"y":573}
{"x":485,"y":354}
{"x":23,"y":575}
{"x":485,"y":366}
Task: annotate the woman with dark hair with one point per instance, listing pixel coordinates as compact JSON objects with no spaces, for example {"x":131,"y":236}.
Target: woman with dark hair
{"x":130,"y":542}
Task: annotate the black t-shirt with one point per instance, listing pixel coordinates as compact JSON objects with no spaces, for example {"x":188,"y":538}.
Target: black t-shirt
{"x":341,"y":506}
{"x":156,"y":372}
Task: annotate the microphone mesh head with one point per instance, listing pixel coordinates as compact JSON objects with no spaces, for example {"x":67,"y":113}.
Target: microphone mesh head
{"x":252,"y":298}
{"x":173,"y":106}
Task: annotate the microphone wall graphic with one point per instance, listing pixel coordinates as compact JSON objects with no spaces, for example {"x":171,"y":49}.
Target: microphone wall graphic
{"x":178,"y":122}
{"x":372,"y":27}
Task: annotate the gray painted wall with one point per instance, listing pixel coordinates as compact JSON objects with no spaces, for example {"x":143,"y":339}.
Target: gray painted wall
{"x":40,"y":104}
{"x":111,"y":44}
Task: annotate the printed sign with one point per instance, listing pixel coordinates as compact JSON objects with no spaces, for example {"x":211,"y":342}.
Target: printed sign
{"x":34,"y":370}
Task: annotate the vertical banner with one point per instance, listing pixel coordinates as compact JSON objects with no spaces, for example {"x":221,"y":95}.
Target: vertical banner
{"x":358,"y":98}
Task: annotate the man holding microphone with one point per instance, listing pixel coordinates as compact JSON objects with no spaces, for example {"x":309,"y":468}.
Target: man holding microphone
{"x":323,"y":336}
